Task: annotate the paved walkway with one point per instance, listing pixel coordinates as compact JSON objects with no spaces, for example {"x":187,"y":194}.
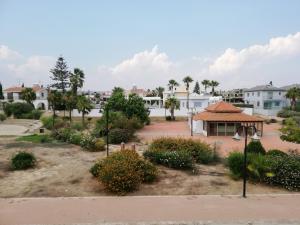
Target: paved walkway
{"x":257,"y":209}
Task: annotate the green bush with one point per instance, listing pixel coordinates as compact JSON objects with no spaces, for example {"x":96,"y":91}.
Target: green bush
{"x":200,"y":151}
{"x":117,"y":135}
{"x":286,"y":113}
{"x":100,"y":144}
{"x":149,"y":171}
{"x":63,"y":134}
{"x":255,"y":147}
{"x":75,"y":138}
{"x":290,"y":131}
{"x":123,"y":171}
{"x":235,"y":163}
{"x":48,"y":122}
{"x":77,"y":126}
{"x":22,"y":161}
{"x":276,"y":152}
{"x":18,"y":109}
{"x":2,"y":117}
{"x":95,"y":169}
{"x":274,"y":169}
{"x":34,"y":114}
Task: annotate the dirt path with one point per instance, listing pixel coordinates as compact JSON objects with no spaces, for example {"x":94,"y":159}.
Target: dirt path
{"x":265,"y":209}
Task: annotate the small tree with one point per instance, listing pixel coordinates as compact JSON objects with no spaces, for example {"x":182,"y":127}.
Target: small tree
{"x":206,"y":84}
{"x":28,"y":95}
{"x":197,"y":88}
{"x":1,"y":92}
{"x":213,"y":84}
{"x":172,"y":104}
{"x":187,"y":80}
{"x":117,"y":101}
{"x":84,"y":106}
{"x":293,"y":94}
{"x":136,"y":107}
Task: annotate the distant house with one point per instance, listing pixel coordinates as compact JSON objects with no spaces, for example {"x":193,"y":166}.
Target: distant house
{"x":234,"y":95}
{"x":134,"y":90}
{"x":196,"y":101}
{"x":13,"y":94}
{"x":223,"y":119}
{"x":266,"y":99}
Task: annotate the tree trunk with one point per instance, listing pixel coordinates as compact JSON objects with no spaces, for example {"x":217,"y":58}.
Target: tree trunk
{"x":172,"y":114}
{"x":53,"y":120}
{"x":188,"y":101}
{"x":82,"y":118}
{"x":70,"y":115}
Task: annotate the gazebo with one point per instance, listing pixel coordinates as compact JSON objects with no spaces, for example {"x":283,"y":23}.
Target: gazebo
{"x":223,"y":119}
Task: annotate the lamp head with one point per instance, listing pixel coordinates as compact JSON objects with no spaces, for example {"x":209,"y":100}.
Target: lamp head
{"x":255,"y":137}
{"x":236,"y":137}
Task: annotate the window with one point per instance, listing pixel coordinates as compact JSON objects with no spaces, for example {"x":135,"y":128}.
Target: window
{"x":252,"y":93}
{"x":279,"y":93}
{"x":270,"y":95}
{"x":258,"y":103}
{"x":267,"y":105}
{"x":248,"y":94}
{"x":258,"y":93}
{"x":183,"y":104}
{"x":197,"y":104}
{"x":277,"y":103}
{"x":42,"y":94}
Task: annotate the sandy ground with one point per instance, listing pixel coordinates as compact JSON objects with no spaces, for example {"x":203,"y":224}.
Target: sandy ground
{"x":270,"y":140}
{"x":62,"y":170}
{"x":19,"y":127}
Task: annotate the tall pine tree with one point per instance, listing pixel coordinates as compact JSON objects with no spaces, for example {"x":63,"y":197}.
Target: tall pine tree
{"x":61,"y":78}
{"x":60,"y":75}
{"x":197,"y":88}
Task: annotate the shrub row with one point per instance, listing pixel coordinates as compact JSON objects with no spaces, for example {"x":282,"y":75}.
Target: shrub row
{"x":274,"y":168}
{"x":123,"y":171}
{"x":22,"y":110}
{"x":23,"y":160}
{"x":285,"y":113}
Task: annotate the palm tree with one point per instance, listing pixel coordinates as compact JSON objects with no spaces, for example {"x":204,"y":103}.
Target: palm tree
{"x":28,"y":95}
{"x":76,"y":80}
{"x":84,"y":106}
{"x":172,"y":104}
{"x":213,"y":84}
{"x":159,"y":91}
{"x":205,"y":83}
{"x":172,"y":83}
{"x":187,"y":80}
{"x":293,"y":94}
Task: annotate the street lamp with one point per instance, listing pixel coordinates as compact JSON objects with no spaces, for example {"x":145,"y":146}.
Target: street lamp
{"x":192,"y":113}
{"x":107,"y":127}
{"x":237,"y":137}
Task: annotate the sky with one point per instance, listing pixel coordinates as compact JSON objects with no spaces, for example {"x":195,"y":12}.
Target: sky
{"x":145,"y":43}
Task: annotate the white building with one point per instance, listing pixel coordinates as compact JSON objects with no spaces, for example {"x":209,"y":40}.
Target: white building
{"x":197,"y":102}
{"x":13,"y":94}
{"x":266,"y":99}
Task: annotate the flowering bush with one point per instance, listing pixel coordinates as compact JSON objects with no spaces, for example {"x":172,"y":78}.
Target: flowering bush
{"x":123,"y":171}
{"x":200,"y":151}
{"x":99,"y":144}
{"x":172,"y":159}
{"x":88,"y":142}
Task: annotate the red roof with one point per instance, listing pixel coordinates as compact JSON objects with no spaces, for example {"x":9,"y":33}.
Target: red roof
{"x":226,"y":117}
{"x":223,"y":107}
{"x":17,"y":89}
{"x":225,"y":112}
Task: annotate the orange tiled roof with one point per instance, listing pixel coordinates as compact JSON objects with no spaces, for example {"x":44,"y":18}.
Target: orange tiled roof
{"x":223,"y":107}
{"x":14,"y":89}
{"x":226,"y":117}
{"x":17,"y":89}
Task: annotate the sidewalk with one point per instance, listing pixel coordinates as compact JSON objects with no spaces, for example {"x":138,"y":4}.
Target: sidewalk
{"x":282,"y":209}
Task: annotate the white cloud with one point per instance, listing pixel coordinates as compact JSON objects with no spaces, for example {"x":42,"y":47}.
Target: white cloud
{"x":146,"y":60}
{"x":6,"y":53}
{"x":233,"y":59}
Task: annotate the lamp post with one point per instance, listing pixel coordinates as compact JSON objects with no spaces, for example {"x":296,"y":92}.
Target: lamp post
{"x":192,"y":113}
{"x":237,"y":137}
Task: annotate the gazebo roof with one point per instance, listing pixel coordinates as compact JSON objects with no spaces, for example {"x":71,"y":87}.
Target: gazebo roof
{"x":225,"y":112}
{"x":223,"y":107}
